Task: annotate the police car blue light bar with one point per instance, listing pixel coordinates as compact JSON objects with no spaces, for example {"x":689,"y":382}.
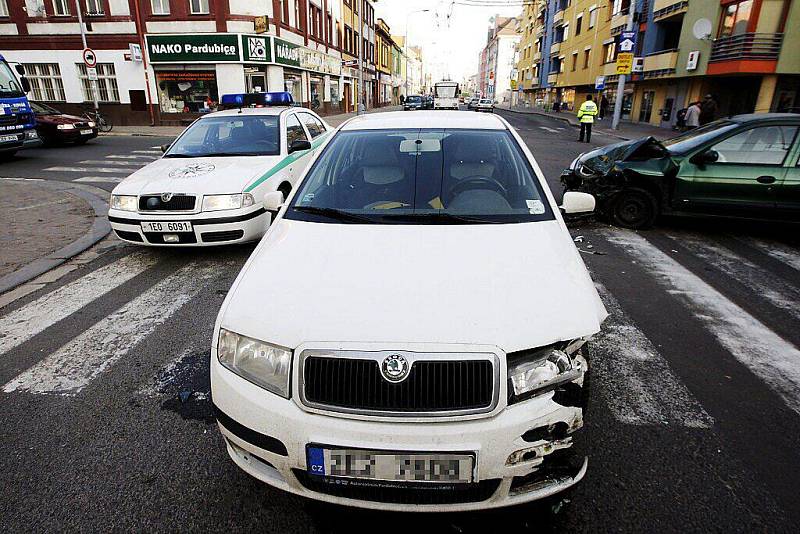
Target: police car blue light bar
{"x":258,"y":100}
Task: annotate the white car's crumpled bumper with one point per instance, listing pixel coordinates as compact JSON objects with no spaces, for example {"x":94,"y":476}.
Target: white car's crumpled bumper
{"x":208,"y":228}
{"x":523,"y":452}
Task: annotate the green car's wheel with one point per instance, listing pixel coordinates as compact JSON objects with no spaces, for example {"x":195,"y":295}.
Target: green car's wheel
{"x":635,"y":209}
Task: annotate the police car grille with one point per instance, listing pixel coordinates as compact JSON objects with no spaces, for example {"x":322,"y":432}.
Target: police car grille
{"x":176,"y":203}
{"x":431,"y":386}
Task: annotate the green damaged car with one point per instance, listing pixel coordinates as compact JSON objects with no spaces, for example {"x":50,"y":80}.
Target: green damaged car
{"x":744,"y":166}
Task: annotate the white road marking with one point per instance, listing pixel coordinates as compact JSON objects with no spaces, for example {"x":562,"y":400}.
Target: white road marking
{"x":778,"y":251}
{"x":87,"y":169}
{"x":551,"y":130}
{"x":130,"y":156}
{"x":100,"y":179}
{"x":71,"y":368}
{"x":642,"y":389}
{"x":42,"y":204}
{"x":774,"y":289}
{"x":106,"y":162}
{"x":765,"y":353}
{"x":34,"y":317}
{"x":158,"y":152}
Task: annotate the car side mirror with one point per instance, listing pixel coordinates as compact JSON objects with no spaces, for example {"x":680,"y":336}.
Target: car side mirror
{"x":273,"y":201}
{"x":577,"y":202}
{"x":26,"y":84}
{"x":20,"y":69}
{"x":708,"y":156}
{"x":299,"y":144}
{"x":165,"y":147}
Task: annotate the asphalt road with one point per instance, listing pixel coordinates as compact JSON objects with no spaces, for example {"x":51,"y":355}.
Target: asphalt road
{"x":694,"y":422}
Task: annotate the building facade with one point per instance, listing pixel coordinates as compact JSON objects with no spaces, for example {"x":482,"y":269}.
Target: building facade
{"x":496,"y":65}
{"x":742,"y":52}
{"x":383,"y":63}
{"x":169,"y":61}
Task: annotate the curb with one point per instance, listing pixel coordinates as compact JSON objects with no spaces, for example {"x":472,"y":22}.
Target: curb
{"x":98,"y":230}
{"x":564,"y":119}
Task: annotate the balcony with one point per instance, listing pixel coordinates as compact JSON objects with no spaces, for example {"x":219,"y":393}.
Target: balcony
{"x":552,"y":78}
{"x":555,"y":48}
{"x":746,"y":53}
{"x":609,"y":68}
{"x":661,"y":63}
{"x":620,"y":20}
{"x":558,"y":17}
{"x":666,"y":8}
{"x":537,"y":56}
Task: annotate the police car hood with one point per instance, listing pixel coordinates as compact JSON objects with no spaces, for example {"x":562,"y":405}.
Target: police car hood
{"x":203,"y":176}
{"x":514,"y":286}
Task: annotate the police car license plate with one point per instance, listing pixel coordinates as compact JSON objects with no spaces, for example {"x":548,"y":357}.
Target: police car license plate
{"x":8,"y":138}
{"x":172,"y":226}
{"x":390,"y":466}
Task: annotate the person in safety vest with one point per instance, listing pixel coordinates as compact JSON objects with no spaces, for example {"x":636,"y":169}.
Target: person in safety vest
{"x":586,"y":115}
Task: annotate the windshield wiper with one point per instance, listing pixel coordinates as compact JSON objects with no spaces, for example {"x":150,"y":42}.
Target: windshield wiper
{"x":442,"y":217}
{"x":182,"y":156}
{"x":216,"y":155}
{"x":333,"y":213}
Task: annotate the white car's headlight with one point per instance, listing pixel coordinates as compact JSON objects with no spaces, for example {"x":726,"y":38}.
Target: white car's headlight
{"x":123,"y":202}
{"x":263,"y":364}
{"x":541,"y":371}
{"x":227,"y":202}
{"x":66,"y":126}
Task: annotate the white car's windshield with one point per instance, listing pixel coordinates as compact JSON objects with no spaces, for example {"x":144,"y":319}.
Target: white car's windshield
{"x":421,"y":176}
{"x":255,"y":135}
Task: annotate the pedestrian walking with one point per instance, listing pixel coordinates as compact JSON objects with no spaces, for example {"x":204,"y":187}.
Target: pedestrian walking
{"x":402,"y":99}
{"x":708,"y":110}
{"x":586,"y":115}
{"x":692,"y":119}
{"x":556,"y":106}
{"x":603,"y":107}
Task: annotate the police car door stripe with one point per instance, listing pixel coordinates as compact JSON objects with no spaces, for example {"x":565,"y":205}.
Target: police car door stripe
{"x":641,"y":387}
{"x":285,"y":162}
{"x":68,"y":370}
{"x":765,"y":353}
{"x":34,"y":317}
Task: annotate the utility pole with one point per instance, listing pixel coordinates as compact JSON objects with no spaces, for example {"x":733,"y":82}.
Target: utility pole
{"x":361,"y":94}
{"x":93,"y":83}
{"x":621,"y":78}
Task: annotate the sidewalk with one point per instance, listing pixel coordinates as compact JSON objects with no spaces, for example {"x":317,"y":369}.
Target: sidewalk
{"x":175,"y":131}
{"x":627,"y":130}
{"x":43,"y":224}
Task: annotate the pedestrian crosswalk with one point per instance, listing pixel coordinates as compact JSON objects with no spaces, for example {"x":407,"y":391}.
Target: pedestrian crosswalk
{"x":112,"y":169}
{"x":633,"y":375}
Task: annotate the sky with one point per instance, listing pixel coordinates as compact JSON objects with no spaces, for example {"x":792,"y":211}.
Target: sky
{"x":451,"y":34}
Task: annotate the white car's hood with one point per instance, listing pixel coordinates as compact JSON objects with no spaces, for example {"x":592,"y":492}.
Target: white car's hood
{"x":205,"y":176}
{"x":515,"y":286}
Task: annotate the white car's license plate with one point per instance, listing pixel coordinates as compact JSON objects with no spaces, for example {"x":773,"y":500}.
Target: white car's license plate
{"x":173,"y":226}
{"x":449,"y":468}
{"x":86,"y":132}
{"x":7,"y":138}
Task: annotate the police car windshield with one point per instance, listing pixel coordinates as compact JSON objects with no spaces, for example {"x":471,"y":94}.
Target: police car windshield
{"x":254,"y":135}
{"x":423,"y":176}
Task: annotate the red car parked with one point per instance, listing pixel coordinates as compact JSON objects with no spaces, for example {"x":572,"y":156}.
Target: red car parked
{"x":56,"y":127}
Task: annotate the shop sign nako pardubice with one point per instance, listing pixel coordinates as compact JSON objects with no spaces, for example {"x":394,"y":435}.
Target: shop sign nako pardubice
{"x":237,"y":48}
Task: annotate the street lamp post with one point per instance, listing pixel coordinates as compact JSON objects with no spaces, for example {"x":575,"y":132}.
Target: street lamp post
{"x":405,"y":45}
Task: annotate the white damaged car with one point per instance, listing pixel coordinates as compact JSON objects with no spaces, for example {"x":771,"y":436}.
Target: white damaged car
{"x":409,"y":333}
{"x":208,"y":187}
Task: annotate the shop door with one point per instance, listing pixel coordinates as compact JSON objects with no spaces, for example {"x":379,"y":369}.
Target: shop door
{"x":256,"y":83}
{"x":348,"y":98}
{"x":647,"y":106}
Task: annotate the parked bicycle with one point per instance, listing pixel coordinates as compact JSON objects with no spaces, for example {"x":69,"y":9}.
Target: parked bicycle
{"x":103,"y":123}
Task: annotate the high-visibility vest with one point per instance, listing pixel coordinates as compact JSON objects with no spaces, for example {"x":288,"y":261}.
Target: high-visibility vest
{"x":587,"y":112}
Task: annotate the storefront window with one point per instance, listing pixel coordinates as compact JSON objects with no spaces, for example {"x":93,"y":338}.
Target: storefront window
{"x":187,"y":91}
{"x":293,"y":83}
{"x":335,"y":95}
{"x":317,"y":92}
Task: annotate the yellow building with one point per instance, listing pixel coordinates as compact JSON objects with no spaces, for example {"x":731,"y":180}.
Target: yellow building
{"x":529,"y":50}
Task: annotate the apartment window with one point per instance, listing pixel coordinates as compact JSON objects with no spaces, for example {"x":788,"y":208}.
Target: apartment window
{"x":620,"y":7}
{"x":348,"y":39}
{"x":107,"y":90}
{"x":592,"y":17}
{"x":566,"y":32}
{"x":736,"y":18}
{"x":61,"y":7}
{"x":198,"y":7}
{"x":297,"y":14}
{"x":574,"y":61}
{"x":586,"y":54}
{"x":160,"y":7}
{"x":285,"y":11}
{"x":45,"y":81}
{"x":3,"y":8}
{"x":356,"y":42}
{"x":578,"y":24}
{"x":609,"y":52}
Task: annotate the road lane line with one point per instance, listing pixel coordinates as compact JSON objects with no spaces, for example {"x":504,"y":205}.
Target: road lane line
{"x":772,"y":288}
{"x":106,"y":162}
{"x":158,"y":152}
{"x":21,"y":325}
{"x":641,"y":387}
{"x":68,"y":370}
{"x":551,"y":130}
{"x":130,"y":156}
{"x":765,"y":353}
{"x":100,"y":179}
{"x":778,"y":251}
{"x":86,"y":169}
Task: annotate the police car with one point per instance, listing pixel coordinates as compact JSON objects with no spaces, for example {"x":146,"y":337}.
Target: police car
{"x":208,"y":187}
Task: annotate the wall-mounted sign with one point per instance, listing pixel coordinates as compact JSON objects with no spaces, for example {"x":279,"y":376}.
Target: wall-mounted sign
{"x":627,"y":41}
{"x":136,"y":51}
{"x":600,"y":83}
{"x":287,"y":53}
{"x":319,"y":62}
{"x":638,"y":64}
{"x":261,"y":24}
{"x":256,"y":49}
{"x":691,"y":61}
{"x":193,"y":48}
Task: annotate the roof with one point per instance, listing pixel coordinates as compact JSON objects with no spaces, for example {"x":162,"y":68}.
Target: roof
{"x":269,"y":110}
{"x":421,"y":119}
{"x":764,"y":116}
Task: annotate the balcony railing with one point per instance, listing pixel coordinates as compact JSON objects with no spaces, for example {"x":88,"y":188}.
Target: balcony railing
{"x":663,"y":61}
{"x":552,"y":78}
{"x":555,"y":48}
{"x":558,"y":16}
{"x":758,"y":46}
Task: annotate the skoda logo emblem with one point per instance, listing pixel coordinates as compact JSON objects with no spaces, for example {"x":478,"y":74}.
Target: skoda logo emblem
{"x":395,"y":368}
{"x":166,"y":197}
